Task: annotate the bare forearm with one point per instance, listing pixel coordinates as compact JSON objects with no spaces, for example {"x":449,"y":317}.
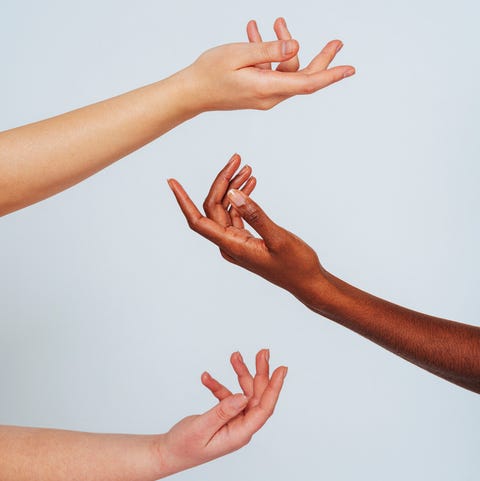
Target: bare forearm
{"x":51,"y":455}
{"x":41,"y":159}
{"x":446,"y":348}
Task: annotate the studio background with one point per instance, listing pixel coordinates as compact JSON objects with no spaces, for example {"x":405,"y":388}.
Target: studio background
{"x":111,"y":308}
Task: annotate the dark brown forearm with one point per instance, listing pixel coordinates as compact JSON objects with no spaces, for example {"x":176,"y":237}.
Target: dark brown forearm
{"x":446,"y":348}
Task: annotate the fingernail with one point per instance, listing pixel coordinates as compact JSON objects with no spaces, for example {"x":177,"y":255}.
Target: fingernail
{"x":349,"y":72}
{"x":339,"y":47}
{"x":239,"y":356}
{"x":288,"y":47}
{"x":267,"y":355}
{"x":232,"y":158}
{"x":236,"y":198}
{"x":285,"y":372}
{"x":239,"y":401}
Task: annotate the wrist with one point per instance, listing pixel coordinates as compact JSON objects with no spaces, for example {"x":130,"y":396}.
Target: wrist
{"x":316,"y":292}
{"x":189,"y":91}
{"x":160,"y":458}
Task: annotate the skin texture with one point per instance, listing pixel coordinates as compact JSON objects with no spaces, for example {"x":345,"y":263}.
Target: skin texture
{"x":446,"y":348}
{"x":54,"y":455}
{"x":43,"y":158}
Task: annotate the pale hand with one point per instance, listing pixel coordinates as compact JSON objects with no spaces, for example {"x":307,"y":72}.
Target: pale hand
{"x":239,"y":75}
{"x":230,"y":424}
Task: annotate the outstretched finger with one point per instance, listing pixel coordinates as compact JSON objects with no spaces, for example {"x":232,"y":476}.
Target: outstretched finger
{"x":262,"y":376}
{"x":196,"y":221}
{"x":216,"y":388}
{"x":287,"y":84}
{"x":255,"y":418}
{"x":255,"y":37}
{"x":281,"y":29}
{"x":325,"y":57}
{"x":237,"y":182}
{"x":245,"y":379}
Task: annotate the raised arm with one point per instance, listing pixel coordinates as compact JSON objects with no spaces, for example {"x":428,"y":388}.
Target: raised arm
{"x":52,"y":455}
{"x":446,"y":348}
{"x":41,"y":159}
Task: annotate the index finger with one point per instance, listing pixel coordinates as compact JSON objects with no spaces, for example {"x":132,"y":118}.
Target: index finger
{"x":281,"y":29}
{"x":197,"y":222}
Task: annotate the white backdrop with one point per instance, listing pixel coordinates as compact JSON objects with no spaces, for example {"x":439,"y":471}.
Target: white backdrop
{"x":111,"y":308}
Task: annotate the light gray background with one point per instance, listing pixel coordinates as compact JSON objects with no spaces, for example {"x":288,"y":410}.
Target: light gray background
{"x":111,"y":308}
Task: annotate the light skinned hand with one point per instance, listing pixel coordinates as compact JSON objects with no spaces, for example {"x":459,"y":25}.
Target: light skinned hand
{"x":277,"y":255}
{"x":239,"y":75}
{"x":231,"y":423}
{"x":43,"y":158}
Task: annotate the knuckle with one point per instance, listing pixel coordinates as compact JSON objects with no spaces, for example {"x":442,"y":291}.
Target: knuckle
{"x":261,"y":92}
{"x":267,"y":51}
{"x":309,"y":87}
{"x":207,"y":204}
{"x":253,"y":214}
{"x":244,"y":440}
{"x":227,"y":257}
{"x":237,"y":253}
{"x":193,"y":224}
{"x":269,"y":412}
{"x":222,"y":414}
{"x":265,"y":104}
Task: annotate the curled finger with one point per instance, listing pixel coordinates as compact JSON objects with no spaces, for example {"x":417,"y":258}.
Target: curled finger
{"x":281,"y":29}
{"x":245,"y":379}
{"x":255,"y":37}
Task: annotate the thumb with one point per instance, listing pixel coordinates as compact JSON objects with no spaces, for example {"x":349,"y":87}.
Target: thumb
{"x":213,"y":420}
{"x":266,"y":52}
{"x":254,"y":215}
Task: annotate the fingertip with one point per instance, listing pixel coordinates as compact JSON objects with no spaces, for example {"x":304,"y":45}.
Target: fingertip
{"x":249,"y":186}
{"x":173,"y":184}
{"x":349,"y":72}
{"x":236,"y":197}
{"x":234,"y":157}
{"x":234,"y":356}
{"x":239,"y":401}
{"x":252,"y":31}
{"x":260,"y":355}
{"x":290,"y":47}
{"x":205,"y":377}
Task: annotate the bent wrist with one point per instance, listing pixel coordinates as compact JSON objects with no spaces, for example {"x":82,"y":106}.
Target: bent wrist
{"x":190,"y":91}
{"x":160,"y":459}
{"x":316,"y":292}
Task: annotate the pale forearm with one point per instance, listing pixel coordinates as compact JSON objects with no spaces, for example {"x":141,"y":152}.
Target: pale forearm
{"x":53,"y":455}
{"x":446,"y":348}
{"x":41,"y":159}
